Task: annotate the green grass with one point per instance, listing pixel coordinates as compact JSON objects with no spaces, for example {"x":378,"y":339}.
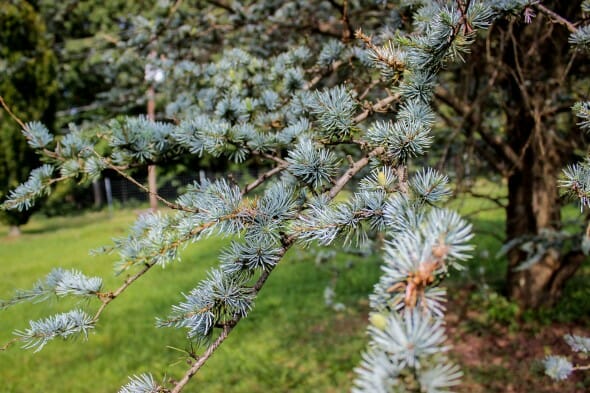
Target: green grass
{"x":291,"y":342}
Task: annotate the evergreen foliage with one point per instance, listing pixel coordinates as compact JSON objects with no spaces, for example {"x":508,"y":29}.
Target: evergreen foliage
{"x":278,"y":107}
{"x":58,"y":282}
{"x":72,"y":323}
{"x":143,"y":383}
{"x":28,"y":67}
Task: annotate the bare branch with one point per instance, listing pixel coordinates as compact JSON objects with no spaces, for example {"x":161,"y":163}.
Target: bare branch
{"x":316,"y":79}
{"x":14,"y":117}
{"x":262,"y":178}
{"x":494,"y":141}
{"x":47,"y":152}
{"x":9,"y":343}
{"x":276,"y":159}
{"x":353,"y":170}
{"x":557,"y":18}
{"x":109,"y":297}
{"x":498,"y":201}
{"x":379,"y":106}
{"x":202,"y":359}
{"x":147,"y":190}
{"x":347,"y":31}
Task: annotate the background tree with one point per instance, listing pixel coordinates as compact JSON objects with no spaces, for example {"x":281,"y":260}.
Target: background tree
{"x":28,"y":85}
{"x":512,"y":101}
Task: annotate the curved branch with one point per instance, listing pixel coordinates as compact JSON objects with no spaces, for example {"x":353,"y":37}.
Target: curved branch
{"x":327,"y":71}
{"x":287,"y":242}
{"x":9,"y":343}
{"x":353,"y":170}
{"x":165,"y":201}
{"x":493,"y":141}
{"x":14,"y":117}
{"x":262,"y":178}
{"x":379,"y":106}
{"x":557,"y":18}
{"x":203,"y":359}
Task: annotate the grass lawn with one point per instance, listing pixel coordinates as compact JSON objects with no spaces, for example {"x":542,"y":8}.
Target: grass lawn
{"x":290,"y":342}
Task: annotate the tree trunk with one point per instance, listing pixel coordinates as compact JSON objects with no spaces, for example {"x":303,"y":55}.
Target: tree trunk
{"x":153,"y":187}
{"x":97,"y":193}
{"x":152,"y":177}
{"x":14,"y":231}
{"x":523,"y":78}
{"x":535,"y":57}
{"x":533,"y":205}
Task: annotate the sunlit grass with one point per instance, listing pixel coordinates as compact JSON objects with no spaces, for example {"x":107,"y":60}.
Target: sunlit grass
{"x":290,"y":342}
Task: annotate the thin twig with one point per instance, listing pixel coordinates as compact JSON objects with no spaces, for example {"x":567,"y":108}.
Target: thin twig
{"x":556,"y":17}
{"x":199,"y":363}
{"x":9,"y":343}
{"x":480,"y":210}
{"x":287,"y":242}
{"x":262,"y":178}
{"x":366,"y":92}
{"x":106,"y":299}
{"x":14,"y":117}
{"x":379,"y":106}
{"x":329,"y":70}
{"x":276,"y":159}
{"x":121,"y":172}
{"x":147,"y":190}
{"x":47,"y":152}
{"x":353,"y":170}
{"x":496,"y":200}
{"x":347,"y":31}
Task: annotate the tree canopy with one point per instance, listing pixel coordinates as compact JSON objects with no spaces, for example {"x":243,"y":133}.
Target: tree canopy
{"x":28,"y":66}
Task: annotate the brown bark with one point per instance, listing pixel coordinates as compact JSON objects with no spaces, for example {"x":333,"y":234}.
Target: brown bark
{"x":534,"y":205}
{"x":521,"y":75}
{"x":152,"y":176}
{"x":533,"y":63}
{"x":14,"y":231}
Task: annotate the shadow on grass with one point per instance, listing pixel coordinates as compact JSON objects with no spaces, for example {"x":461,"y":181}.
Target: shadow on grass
{"x":50,"y":225}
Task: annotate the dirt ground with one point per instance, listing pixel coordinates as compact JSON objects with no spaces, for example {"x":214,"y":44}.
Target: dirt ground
{"x":501,"y":358}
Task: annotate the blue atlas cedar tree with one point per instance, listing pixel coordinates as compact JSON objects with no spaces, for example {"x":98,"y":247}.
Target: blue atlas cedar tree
{"x":250,"y":105}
